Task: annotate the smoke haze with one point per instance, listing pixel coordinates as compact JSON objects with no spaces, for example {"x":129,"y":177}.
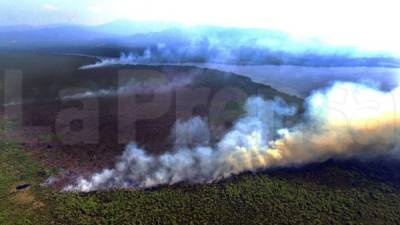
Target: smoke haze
{"x":207,"y":44}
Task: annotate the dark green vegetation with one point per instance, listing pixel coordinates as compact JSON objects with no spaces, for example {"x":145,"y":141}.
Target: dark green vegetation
{"x":331,"y":193}
{"x":26,"y":206}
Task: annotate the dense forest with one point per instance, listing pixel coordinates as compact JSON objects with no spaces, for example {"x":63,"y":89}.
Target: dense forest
{"x":328,"y":193}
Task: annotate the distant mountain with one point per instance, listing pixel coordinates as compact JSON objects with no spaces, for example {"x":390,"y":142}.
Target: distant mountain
{"x":166,"y":42}
{"x":126,"y":27}
{"x":67,"y":34}
{"x":43,"y":36}
{"x":16,"y":28}
{"x":73,"y":34}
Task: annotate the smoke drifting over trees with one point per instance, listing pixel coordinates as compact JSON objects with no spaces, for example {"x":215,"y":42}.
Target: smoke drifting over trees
{"x":345,"y":120}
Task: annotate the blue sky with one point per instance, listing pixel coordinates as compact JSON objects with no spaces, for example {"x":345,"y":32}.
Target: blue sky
{"x":369,"y":24}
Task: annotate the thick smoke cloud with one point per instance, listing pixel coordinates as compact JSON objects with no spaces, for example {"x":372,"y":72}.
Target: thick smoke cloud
{"x":343,"y":121}
{"x":194,"y":159}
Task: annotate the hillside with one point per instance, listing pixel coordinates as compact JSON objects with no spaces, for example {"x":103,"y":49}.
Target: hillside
{"x":180,"y":93}
{"x":333,"y":192}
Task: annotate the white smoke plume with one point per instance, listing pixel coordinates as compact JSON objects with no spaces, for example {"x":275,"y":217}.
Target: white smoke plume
{"x":191,"y":133}
{"x":345,"y":120}
{"x":198,"y":164}
{"x":134,"y":87}
{"x":124,"y":59}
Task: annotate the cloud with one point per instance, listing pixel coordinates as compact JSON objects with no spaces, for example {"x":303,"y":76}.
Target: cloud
{"x":95,"y":9}
{"x":50,"y":7}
